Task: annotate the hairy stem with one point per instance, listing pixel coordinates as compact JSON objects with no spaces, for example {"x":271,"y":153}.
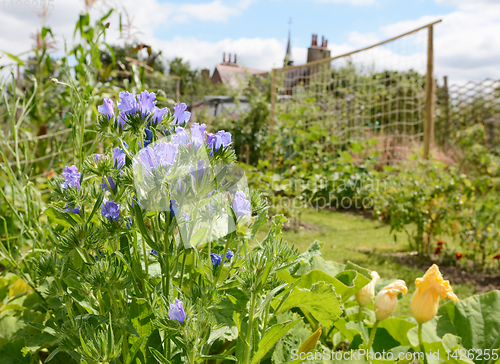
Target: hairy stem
{"x":372,"y":335}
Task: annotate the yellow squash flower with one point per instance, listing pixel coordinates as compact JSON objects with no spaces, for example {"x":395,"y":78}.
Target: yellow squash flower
{"x":425,"y":302}
{"x":365,"y":295}
{"x":386,"y":301}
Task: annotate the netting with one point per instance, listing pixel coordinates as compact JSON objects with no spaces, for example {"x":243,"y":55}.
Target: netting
{"x":40,"y":156}
{"x":463,"y":106}
{"x":377,"y":94}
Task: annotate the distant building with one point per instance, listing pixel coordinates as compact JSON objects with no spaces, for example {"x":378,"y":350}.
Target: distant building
{"x":299,"y":77}
{"x":315,"y":52}
{"x":232,"y":75}
{"x":288,"y":55}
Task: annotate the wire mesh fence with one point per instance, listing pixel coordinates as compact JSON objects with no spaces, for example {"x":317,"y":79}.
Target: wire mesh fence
{"x":378,"y":93}
{"x":463,"y":106}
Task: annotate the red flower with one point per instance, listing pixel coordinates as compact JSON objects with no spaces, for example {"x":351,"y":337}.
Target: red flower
{"x":440,"y":243}
{"x":458,"y":255}
{"x":438,"y":250}
{"x":496,"y":256}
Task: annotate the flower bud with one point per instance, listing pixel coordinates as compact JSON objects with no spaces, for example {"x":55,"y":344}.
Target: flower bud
{"x":425,"y":301}
{"x":386,"y":301}
{"x":54,"y":80}
{"x":365,"y":295}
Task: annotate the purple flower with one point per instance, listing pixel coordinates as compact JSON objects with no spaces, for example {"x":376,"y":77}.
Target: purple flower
{"x":119,"y":157}
{"x":158,"y":115}
{"x":127,"y":103}
{"x":174,"y":209}
{"x":104,"y":185}
{"x":146,"y":161}
{"x":229,"y":255}
{"x":121,"y":119}
{"x":181,"y":116}
{"x":186,"y":216}
{"x":129,"y":223}
{"x":166,"y":153}
{"x":107,"y":109}
{"x":148,"y":136}
{"x":180,"y":136}
{"x":216,"y":260}
{"x":214,"y":141}
{"x":198,"y":134}
{"x":149,"y":159}
{"x":97,"y":158}
{"x":110,"y":210}
{"x":176,"y":312}
{"x":225,"y":137}
{"x":71,"y":177}
{"x":155,"y":253}
{"x":241,"y":205}
{"x":68,"y":208}
{"x":147,"y":102}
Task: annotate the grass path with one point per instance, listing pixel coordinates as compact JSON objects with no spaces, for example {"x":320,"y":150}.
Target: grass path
{"x":365,"y":242}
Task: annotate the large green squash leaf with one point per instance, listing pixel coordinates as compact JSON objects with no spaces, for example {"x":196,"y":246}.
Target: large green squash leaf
{"x":320,"y":301}
{"x":475,"y":319}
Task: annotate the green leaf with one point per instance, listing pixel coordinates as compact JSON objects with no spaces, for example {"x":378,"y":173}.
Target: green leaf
{"x":159,"y":356}
{"x":97,"y":205}
{"x":475,"y":319}
{"x":14,"y":58}
{"x":346,"y":283}
{"x":398,"y":329}
{"x":320,"y":301}
{"x":57,"y":217}
{"x":271,"y":338}
{"x":218,"y":357}
{"x":12,"y":353}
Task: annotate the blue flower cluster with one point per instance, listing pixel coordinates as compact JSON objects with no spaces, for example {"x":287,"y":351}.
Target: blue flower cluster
{"x":71,"y":177}
{"x":217,"y":258}
{"x":199,"y":136}
{"x":143,"y":105}
{"x":110,"y":210}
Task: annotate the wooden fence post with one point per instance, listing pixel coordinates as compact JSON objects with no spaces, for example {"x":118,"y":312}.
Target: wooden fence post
{"x":273,"y":101}
{"x":178,"y":90}
{"x":272,"y":111}
{"x":446,"y":113}
{"x":429,"y":90}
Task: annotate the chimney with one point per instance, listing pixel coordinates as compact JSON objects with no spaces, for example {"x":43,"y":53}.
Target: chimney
{"x":326,"y":43}
{"x":323,"y":41}
{"x":229,"y":59}
{"x":235,"y":59}
{"x":224,"y":57}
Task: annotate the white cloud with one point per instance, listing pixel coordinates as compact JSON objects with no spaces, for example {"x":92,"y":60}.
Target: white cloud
{"x":352,"y":2}
{"x":258,"y":53}
{"x":466,"y":43}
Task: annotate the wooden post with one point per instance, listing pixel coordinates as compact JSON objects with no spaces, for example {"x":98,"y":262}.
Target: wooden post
{"x":178,"y":90}
{"x":429,"y":90}
{"x":273,"y":101}
{"x":446,"y":113}
{"x":270,"y":154}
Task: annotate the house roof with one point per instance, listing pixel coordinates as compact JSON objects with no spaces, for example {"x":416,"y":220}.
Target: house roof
{"x":234,"y":75}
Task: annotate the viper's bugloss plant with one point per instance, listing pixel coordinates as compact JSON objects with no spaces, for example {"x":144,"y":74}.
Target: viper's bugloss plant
{"x":159,"y":227}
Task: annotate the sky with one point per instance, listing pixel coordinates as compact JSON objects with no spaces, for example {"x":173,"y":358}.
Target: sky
{"x":467,"y":45}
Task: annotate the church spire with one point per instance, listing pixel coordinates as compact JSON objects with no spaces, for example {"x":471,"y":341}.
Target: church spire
{"x":288,"y":56}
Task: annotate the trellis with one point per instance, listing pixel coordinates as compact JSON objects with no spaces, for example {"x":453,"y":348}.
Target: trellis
{"x":383,"y":92}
